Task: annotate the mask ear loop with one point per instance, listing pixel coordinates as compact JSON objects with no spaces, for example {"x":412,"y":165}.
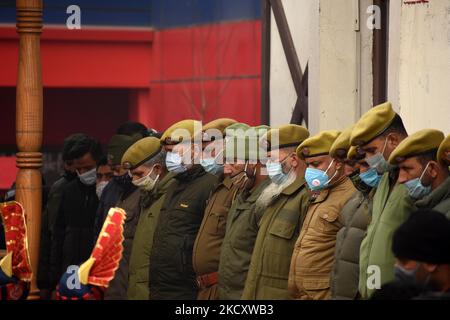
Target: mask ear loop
{"x":215,"y":158}
{"x":384,"y":148}
{"x":333,"y":174}
{"x":424,"y":170}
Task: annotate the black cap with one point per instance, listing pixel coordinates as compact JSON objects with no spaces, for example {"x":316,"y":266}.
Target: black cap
{"x":424,"y":237}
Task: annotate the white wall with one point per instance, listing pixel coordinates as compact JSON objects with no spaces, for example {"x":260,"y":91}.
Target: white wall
{"x":282,"y":91}
{"x":340,"y":81}
{"x":419,"y":64}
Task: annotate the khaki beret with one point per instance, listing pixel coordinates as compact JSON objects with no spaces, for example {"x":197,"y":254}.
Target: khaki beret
{"x":218,"y":124}
{"x":443,"y":158}
{"x":317,"y":145}
{"x":421,"y":142}
{"x":340,"y":147}
{"x":289,"y":135}
{"x":190,"y":127}
{"x":117,"y":146}
{"x":249,"y":141}
{"x":140,"y":152}
{"x":372,"y":124}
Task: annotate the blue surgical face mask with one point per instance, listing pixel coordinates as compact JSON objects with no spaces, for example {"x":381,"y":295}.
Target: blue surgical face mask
{"x":174,"y":162}
{"x":415,"y":187}
{"x":370,"y":177}
{"x":89,"y":177}
{"x":211,"y":166}
{"x":378,"y":166}
{"x":318,"y":179}
{"x":275,"y":171}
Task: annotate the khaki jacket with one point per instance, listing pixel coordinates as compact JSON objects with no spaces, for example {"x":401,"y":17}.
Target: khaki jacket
{"x":279,"y":229}
{"x":206,"y":252}
{"x":313,"y":257}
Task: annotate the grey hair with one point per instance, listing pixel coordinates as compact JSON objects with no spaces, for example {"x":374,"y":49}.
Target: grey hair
{"x":160,"y":159}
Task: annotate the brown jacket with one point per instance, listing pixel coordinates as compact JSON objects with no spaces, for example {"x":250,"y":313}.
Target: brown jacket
{"x":313,"y":257}
{"x":206,"y":252}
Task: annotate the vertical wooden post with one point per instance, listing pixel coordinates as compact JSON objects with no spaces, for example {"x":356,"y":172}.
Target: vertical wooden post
{"x":29,"y":122}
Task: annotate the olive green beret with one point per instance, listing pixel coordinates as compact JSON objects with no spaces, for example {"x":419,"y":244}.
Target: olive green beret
{"x":289,"y":135}
{"x":249,"y":141}
{"x":117,"y":146}
{"x":421,"y":142}
{"x":218,"y":124}
{"x":318,"y":145}
{"x":340,"y":147}
{"x":192,"y":127}
{"x":372,"y":124}
{"x":140,"y":152}
{"x":443,"y":148}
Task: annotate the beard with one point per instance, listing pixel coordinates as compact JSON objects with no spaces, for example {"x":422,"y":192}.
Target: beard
{"x":273,"y":190}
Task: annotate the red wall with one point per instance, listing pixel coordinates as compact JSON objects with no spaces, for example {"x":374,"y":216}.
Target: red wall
{"x":96,"y":78}
{"x":204,"y":72}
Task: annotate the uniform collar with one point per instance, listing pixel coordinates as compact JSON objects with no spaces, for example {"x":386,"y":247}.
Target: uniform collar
{"x":341,"y":184}
{"x":436,"y":196}
{"x":294,"y":186}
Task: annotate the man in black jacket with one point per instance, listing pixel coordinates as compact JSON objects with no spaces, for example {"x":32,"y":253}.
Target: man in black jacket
{"x":50,"y":213}
{"x":73,"y":231}
{"x":171,"y":273}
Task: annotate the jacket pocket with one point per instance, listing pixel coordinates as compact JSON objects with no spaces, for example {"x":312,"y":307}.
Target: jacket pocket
{"x":327,"y":221}
{"x":316,"y":283}
{"x":283,"y":229}
{"x":216,"y":222}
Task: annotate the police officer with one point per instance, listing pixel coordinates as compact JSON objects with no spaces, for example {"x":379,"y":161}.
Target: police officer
{"x":171,"y":274}
{"x":355,"y":218}
{"x":284,"y":203}
{"x":376,"y":135}
{"x":146,"y":161}
{"x":245,"y":170}
{"x":426,"y":179}
{"x":313,"y":257}
{"x":206,"y":253}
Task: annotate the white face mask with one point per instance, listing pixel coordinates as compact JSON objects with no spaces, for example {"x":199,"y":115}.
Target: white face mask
{"x":88,"y":178}
{"x":100,"y":187}
{"x":146,"y":183}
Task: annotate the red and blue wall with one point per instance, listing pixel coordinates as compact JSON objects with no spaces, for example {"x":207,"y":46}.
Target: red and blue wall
{"x":156,"y":62}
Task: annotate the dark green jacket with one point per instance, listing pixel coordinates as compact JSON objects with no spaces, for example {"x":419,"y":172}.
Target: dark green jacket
{"x":279,"y":229}
{"x":118,"y":286}
{"x":355,"y":218}
{"x":171,"y":273}
{"x":151,"y":203}
{"x":237,"y":246}
{"x":438,"y":199}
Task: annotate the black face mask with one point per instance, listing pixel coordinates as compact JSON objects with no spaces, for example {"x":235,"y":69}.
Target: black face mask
{"x":123,"y":181}
{"x":358,"y":183}
{"x":69,"y":175}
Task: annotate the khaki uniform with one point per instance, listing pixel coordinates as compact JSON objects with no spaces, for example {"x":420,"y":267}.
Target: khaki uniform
{"x":279,"y":229}
{"x":238,"y":244}
{"x":206,"y":253}
{"x":313,"y":257}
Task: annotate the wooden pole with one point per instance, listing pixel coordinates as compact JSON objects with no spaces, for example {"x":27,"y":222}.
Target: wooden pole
{"x":29,"y":122}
